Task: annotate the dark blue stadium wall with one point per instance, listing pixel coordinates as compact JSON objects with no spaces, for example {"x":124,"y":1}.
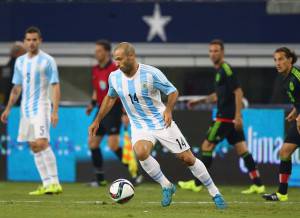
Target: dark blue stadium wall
{"x":190,"y":22}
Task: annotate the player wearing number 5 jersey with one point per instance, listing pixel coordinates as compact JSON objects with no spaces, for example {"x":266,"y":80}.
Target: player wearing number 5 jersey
{"x":34,"y":73}
{"x":139,"y":87}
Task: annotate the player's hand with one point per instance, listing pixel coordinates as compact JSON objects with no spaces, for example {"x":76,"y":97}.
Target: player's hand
{"x":54,"y":119}
{"x":93,"y":128}
{"x":89,"y":109}
{"x":167,"y":118}
{"x":4,"y":116}
{"x":238,"y":123}
{"x":291,"y":116}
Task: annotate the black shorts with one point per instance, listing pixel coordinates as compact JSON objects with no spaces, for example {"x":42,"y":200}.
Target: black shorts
{"x":112,"y":121}
{"x":292,"y":135}
{"x":220,"y":130}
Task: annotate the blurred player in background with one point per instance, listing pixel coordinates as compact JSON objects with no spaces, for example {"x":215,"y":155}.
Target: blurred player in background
{"x":34,"y":73}
{"x":228,"y":124}
{"x":139,"y":86}
{"x":8,"y":70}
{"x":112,"y":122}
{"x":284,"y":61}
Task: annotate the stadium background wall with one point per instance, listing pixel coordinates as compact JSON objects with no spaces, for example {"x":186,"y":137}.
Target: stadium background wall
{"x":239,"y":22}
{"x":264,"y":129}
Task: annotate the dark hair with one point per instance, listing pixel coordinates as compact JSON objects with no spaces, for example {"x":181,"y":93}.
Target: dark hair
{"x":105,"y":44}
{"x":288,"y":53}
{"x":217,"y":42}
{"x":33,"y":29}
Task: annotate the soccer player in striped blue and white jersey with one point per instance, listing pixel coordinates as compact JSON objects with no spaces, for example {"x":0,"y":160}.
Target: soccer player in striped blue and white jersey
{"x":139,"y":87}
{"x":34,"y":73}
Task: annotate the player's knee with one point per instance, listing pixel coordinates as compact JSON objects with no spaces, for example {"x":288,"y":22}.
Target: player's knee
{"x":141,"y":153}
{"x":188,"y":159}
{"x":284,"y":152}
{"x":93,"y":143}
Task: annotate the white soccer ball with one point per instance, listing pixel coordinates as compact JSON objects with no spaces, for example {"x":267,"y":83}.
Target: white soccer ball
{"x":121,"y":191}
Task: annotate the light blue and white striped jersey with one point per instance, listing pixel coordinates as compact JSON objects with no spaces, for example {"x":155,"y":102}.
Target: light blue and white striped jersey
{"x":35,"y":75}
{"x":140,"y":95}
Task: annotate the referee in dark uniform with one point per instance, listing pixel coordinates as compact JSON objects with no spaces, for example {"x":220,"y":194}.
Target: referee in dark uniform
{"x":228,"y":123}
{"x":112,"y":122}
{"x":284,"y":60}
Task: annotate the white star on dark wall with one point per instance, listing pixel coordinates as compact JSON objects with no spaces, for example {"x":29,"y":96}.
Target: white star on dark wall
{"x":157,"y":23}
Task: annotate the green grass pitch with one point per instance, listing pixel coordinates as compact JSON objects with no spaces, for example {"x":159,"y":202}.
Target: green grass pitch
{"x":80,"y":201}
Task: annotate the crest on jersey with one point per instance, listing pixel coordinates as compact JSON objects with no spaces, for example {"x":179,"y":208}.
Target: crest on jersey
{"x":218,"y":77}
{"x":291,"y":86}
{"x":102,"y":85}
{"x":144,"y":86}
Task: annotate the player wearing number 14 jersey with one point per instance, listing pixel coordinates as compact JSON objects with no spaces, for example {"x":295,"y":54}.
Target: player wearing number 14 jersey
{"x":139,"y":86}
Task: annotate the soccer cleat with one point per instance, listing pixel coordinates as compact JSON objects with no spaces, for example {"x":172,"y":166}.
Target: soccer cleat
{"x":219,"y":201}
{"x":254,"y":189}
{"x":275,"y":197}
{"x":190,"y":185}
{"x":53,"y":189}
{"x":137,"y":180}
{"x":40,"y":191}
{"x":167,"y":195}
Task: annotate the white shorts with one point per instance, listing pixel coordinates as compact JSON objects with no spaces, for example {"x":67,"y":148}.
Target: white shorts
{"x":170,"y":137}
{"x":34,"y":128}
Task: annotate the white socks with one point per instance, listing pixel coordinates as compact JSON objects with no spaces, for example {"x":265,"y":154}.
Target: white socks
{"x":50,"y":163}
{"x":39,"y":162}
{"x":200,"y":172}
{"x":45,"y":162}
{"x":151,"y":166}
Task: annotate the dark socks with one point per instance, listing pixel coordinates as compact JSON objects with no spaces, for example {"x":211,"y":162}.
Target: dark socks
{"x":285,"y":169}
{"x":252,"y":170}
{"x":97,"y":160}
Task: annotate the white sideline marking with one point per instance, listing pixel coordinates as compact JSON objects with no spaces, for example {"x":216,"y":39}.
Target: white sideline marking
{"x":147,"y":202}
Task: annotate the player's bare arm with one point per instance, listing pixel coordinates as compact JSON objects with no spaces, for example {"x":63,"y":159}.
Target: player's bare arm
{"x":298,"y":123}
{"x":106,"y":106}
{"x":172,"y":98}
{"x":212,"y":98}
{"x":55,"y":102}
{"x":92,"y":104}
{"x":292,"y":115}
{"x":238,"y":122}
{"x":14,"y":96}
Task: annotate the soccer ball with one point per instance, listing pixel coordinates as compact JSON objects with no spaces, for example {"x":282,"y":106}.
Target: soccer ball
{"x":121,"y":191}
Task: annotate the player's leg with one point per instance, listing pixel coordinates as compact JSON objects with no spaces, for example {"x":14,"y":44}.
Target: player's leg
{"x":143,"y":143}
{"x":206,"y":158}
{"x":173,"y":139}
{"x":97,"y":158}
{"x":237,"y":138}
{"x":215,"y":133}
{"x":41,"y":167}
{"x":285,"y":169}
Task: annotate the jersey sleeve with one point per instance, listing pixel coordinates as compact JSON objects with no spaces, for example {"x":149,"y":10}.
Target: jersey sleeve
{"x":161,"y":83}
{"x":52,"y":72}
{"x":111,"y":90}
{"x":231,"y":78}
{"x":17,"y":77}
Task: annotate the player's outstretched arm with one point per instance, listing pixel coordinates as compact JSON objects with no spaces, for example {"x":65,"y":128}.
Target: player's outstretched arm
{"x":55,"y":102}
{"x":172,"y":98}
{"x":107,"y":103}
{"x":14,"y":96}
{"x":238,"y":123}
{"x":212,"y":98}
{"x":292,"y":115}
